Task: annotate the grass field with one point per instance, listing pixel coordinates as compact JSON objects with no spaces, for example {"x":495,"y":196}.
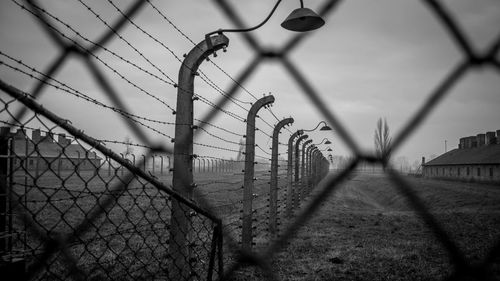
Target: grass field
{"x":368,"y":231}
{"x":130,"y":239}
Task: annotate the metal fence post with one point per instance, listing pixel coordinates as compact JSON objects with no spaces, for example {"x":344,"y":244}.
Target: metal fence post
{"x":296,"y":180}
{"x":153,"y":158}
{"x":326,"y":166}
{"x":169,"y":164}
{"x":316,"y":167}
{"x":182,"y":180}
{"x":313,"y":167}
{"x":161,"y":165}
{"x":4,"y":171}
{"x":273,"y":189}
{"x":289,"y":173}
{"x":10,"y":266}
{"x":109,"y":166}
{"x":308,"y":169}
{"x":300,"y":192}
{"x":246,"y":232}
{"x":144,"y":162}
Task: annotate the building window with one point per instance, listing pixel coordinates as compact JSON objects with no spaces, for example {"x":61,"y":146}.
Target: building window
{"x":468,"y":171}
{"x":491,"y":172}
{"x":478,"y":172}
{"x":458,"y":171}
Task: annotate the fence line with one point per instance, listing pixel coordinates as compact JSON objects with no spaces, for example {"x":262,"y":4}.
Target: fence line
{"x":101,"y":217}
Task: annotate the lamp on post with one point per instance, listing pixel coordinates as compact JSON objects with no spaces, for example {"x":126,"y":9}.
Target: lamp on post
{"x":295,"y":190}
{"x":289,"y":173}
{"x":326,"y":142}
{"x":308,"y":167}
{"x":303,"y":170}
{"x":324,"y":128}
{"x":300,"y":20}
{"x":310,"y":181}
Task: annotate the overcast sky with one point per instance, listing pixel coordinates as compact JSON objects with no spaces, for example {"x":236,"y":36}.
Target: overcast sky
{"x":372,"y":59}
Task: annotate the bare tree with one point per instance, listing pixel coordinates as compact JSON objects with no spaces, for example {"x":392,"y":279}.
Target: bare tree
{"x":382,"y":141}
{"x":402,"y":163}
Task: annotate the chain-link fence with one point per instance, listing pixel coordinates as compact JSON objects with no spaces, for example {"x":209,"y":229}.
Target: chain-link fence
{"x":68,"y":212}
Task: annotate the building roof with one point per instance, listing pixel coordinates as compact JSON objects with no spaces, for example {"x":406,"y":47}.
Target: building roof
{"x":52,"y":150}
{"x":487,"y":154}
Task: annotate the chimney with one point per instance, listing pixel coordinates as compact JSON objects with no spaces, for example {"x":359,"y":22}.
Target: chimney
{"x":469,"y":141}
{"x":423,"y":160}
{"x":20,"y":134}
{"x":473,"y":141}
{"x":480,"y":139}
{"x":490,"y":138}
{"x":49,"y":137}
{"x":62,"y":140}
{"x":36,"y":136}
{"x":461,"y":145}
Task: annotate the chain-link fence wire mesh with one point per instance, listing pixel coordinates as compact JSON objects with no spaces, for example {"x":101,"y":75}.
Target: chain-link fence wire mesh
{"x":73,"y":214}
{"x":472,"y":60}
{"x":103,"y":234}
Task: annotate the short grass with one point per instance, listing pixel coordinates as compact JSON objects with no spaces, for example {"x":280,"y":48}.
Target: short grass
{"x":366,"y":231}
{"x":369,"y":231}
{"x":130,"y":239}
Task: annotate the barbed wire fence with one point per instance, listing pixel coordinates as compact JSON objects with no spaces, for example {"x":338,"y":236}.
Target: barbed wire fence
{"x":130,"y":226}
{"x":117,"y":226}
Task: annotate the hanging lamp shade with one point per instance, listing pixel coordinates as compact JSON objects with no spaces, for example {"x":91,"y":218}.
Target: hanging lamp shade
{"x":302,"y":19}
{"x":325,"y":128}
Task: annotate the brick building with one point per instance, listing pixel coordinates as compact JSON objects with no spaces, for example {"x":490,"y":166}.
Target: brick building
{"x":477,"y":158}
{"x":41,"y":152}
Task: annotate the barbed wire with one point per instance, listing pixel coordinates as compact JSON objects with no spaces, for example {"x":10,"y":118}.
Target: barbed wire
{"x":216,"y":65}
{"x":327,"y":187}
{"x":87,"y":51}
{"x":215,"y":147}
{"x":203,"y":77}
{"x":218,"y":137}
{"x":100,"y":18}
{"x":172,"y":82}
{"x":215,"y":106}
{"x":194,"y":44}
{"x":218,"y":127}
{"x":76,"y":93}
{"x":203,"y":99}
